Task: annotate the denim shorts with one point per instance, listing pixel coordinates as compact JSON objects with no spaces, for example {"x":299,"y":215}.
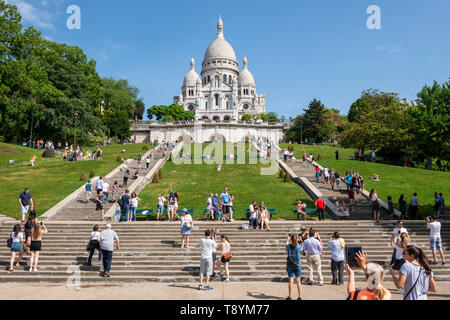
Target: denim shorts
{"x":214,"y":256}
{"x":294,"y":272}
{"x":435,"y":244}
{"x":24,"y":209}
{"x":16,"y":247}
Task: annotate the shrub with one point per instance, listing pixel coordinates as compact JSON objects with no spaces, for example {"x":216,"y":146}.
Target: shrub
{"x":319,"y":157}
{"x":282,"y":173}
{"x":119,"y":158}
{"x":145,"y":147}
{"x":287,"y":178}
{"x":83,"y":176}
{"x":156,"y":178}
{"x":91,"y":173}
{"x":48,"y":153}
{"x":160,"y":174}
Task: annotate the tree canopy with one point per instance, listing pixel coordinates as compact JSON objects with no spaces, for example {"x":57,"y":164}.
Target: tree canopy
{"x":43,"y":84}
{"x":173,"y":112}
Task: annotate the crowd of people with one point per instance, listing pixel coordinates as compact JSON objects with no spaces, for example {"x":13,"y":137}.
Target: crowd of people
{"x":78,"y":153}
{"x":410,"y":268}
{"x":219,"y":208}
{"x":258,"y":216}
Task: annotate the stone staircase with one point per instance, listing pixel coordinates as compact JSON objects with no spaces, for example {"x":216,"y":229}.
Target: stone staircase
{"x":78,"y":209}
{"x":362,"y":209}
{"x":150,"y":251}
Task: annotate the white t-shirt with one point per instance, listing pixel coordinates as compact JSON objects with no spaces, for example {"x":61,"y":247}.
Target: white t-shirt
{"x":412,"y":272}
{"x":105,"y":187}
{"x":18,"y":238}
{"x":402,"y":230}
{"x":147,"y":160}
{"x":95,"y":235}
{"x":374,"y":197}
{"x":185,"y":219}
{"x":134,"y":202}
{"x":252,"y":212}
{"x":326,"y":173}
{"x":161,"y":201}
{"x":435,"y":229}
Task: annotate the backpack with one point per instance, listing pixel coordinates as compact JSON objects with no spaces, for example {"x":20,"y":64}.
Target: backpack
{"x":292,"y":259}
{"x":120,"y":202}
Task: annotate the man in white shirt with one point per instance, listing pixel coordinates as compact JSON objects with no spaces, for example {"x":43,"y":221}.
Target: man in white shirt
{"x":435,"y":238}
{"x":207,"y":246}
{"x":160,"y":210}
{"x":253,"y":215}
{"x":105,"y":192}
{"x":107,"y":238}
{"x":398,"y":230}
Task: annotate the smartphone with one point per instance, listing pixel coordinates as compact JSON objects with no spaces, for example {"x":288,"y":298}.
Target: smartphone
{"x":350,"y":254}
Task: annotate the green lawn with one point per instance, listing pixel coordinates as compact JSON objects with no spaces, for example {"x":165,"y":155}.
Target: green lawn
{"x":194,"y":183}
{"x":50,"y":184}
{"x":395,"y":180}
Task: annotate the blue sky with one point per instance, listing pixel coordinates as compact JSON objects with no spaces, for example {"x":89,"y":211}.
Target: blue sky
{"x":297,"y":50}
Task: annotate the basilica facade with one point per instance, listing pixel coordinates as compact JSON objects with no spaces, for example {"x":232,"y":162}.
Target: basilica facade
{"x":221,"y":91}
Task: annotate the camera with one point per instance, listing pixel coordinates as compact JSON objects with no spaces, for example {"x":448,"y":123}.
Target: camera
{"x":290,"y":235}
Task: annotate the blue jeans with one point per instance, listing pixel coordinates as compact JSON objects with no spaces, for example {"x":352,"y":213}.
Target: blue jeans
{"x":133,"y":213}
{"x":105,"y":195}
{"x":117,"y":215}
{"x":317,"y":177}
{"x":107,"y":259}
{"x":124,"y":213}
{"x":91,"y":253}
{"x":253,"y":223}
{"x":218,"y":215}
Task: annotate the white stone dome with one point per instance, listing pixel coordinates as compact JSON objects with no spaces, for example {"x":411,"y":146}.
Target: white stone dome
{"x":191,"y":77}
{"x":246,"y":77}
{"x":220,"y":48}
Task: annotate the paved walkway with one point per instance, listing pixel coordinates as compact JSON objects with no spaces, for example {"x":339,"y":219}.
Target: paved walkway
{"x":188,"y":291}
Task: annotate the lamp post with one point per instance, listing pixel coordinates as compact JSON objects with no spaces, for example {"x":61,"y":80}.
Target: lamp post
{"x":135,"y":122}
{"x":75,"y":116}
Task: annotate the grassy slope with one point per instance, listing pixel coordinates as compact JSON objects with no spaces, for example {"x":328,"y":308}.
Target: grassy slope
{"x":394,"y":180}
{"x":194,"y":183}
{"x":49,"y":185}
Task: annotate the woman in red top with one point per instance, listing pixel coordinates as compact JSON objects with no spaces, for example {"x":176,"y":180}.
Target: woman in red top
{"x":375,"y":289}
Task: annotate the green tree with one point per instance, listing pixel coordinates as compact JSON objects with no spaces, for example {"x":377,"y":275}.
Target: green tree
{"x":118,"y":123}
{"x":316,"y":125}
{"x":386,"y":129}
{"x":431,"y":122}
{"x":246,"y":117}
{"x":369,"y":100}
{"x":272,"y":117}
{"x":173,"y":112}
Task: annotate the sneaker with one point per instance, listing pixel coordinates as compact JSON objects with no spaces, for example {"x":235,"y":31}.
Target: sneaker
{"x":433,"y":263}
{"x":443,"y":263}
{"x":288,"y":298}
{"x":207,"y":288}
{"x":30,"y":270}
{"x":200,"y":287}
{"x":89,"y":217}
{"x":310,"y":283}
{"x":35,"y":269}
{"x":214,"y":275}
{"x":299,"y":299}
{"x":227,"y":280}
{"x":107,"y":275}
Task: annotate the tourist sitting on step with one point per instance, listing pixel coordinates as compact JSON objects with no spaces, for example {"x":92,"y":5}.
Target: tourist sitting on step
{"x":135,"y":175}
{"x":263,"y":217}
{"x":342,"y":207}
{"x":374,"y":289}
{"x":300,"y":210}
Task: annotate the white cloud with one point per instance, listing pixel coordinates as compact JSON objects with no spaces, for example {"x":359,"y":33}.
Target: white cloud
{"x":30,"y":14}
{"x":391,"y":48}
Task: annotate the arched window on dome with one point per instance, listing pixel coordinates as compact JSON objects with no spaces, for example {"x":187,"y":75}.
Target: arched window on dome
{"x":206,"y":105}
{"x":227,"y":102}
{"x":224,"y":78}
{"x":209,"y":79}
{"x":230,"y":79}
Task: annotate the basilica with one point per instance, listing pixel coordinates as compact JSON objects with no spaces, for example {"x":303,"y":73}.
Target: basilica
{"x":221,"y":92}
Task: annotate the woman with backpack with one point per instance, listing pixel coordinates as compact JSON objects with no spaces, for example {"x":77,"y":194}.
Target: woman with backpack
{"x":294,"y":265}
{"x":416,"y":277}
{"x":16,"y":245}
{"x":186,"y":226}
